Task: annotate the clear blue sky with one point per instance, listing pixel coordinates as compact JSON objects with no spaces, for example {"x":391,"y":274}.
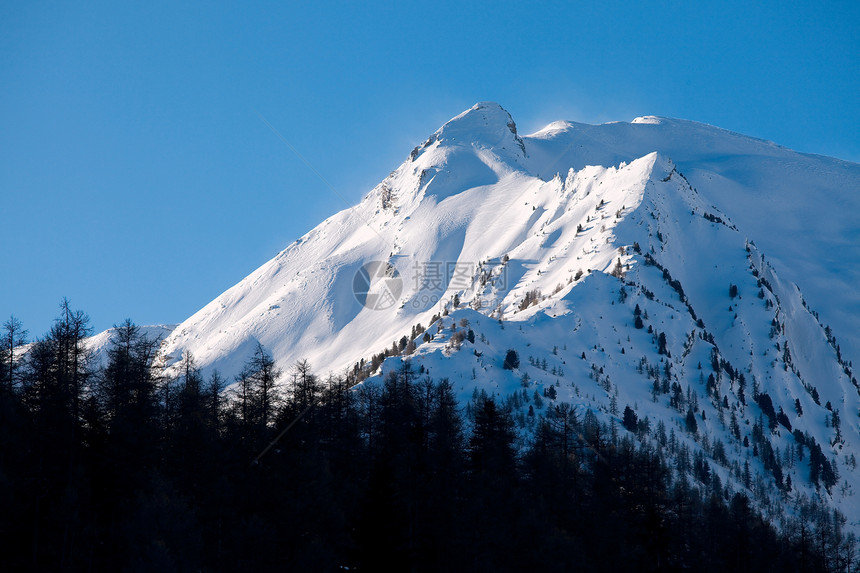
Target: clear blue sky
{"x":137,"y":179}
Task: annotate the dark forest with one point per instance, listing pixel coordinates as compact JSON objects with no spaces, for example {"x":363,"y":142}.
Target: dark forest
{"x":121,"y":467}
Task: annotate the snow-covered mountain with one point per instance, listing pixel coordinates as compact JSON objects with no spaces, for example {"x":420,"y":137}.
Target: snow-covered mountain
{"x":705,"y":279}
{"x":476,"y":191}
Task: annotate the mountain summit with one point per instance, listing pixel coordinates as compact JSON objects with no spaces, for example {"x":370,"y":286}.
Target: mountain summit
{"x":486,"y":124}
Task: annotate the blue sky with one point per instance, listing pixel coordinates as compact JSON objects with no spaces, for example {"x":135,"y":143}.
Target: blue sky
{"x":138,"y":180}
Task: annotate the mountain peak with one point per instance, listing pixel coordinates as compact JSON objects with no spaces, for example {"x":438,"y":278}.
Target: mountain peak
{"x":486,"y":124}
{"x":483,"y":112}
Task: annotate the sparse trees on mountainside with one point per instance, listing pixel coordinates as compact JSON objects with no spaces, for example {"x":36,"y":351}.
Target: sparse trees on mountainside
{"x":637,"y":318}
{"x":531,"y":297}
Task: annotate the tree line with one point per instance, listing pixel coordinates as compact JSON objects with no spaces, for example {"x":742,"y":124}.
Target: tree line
{"x":122,"y":466}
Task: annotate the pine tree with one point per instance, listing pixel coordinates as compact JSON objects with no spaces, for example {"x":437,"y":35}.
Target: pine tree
{"x":127,"y":387}
{"x":661,"y":344}
{"x":512,"y":360}
{"x":214,"y":400}
{"x":257,"y":395}
{"x":72,"y":355}
{"x":446,"y":438}
{"x":191,"y":408}
{"x":59,"y":367}
{"x":14,"y":336}
{"x":630,"y":420}
{"x":690,"y":420}
{"x":265,"y":377}
{"x":491,"y":445}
